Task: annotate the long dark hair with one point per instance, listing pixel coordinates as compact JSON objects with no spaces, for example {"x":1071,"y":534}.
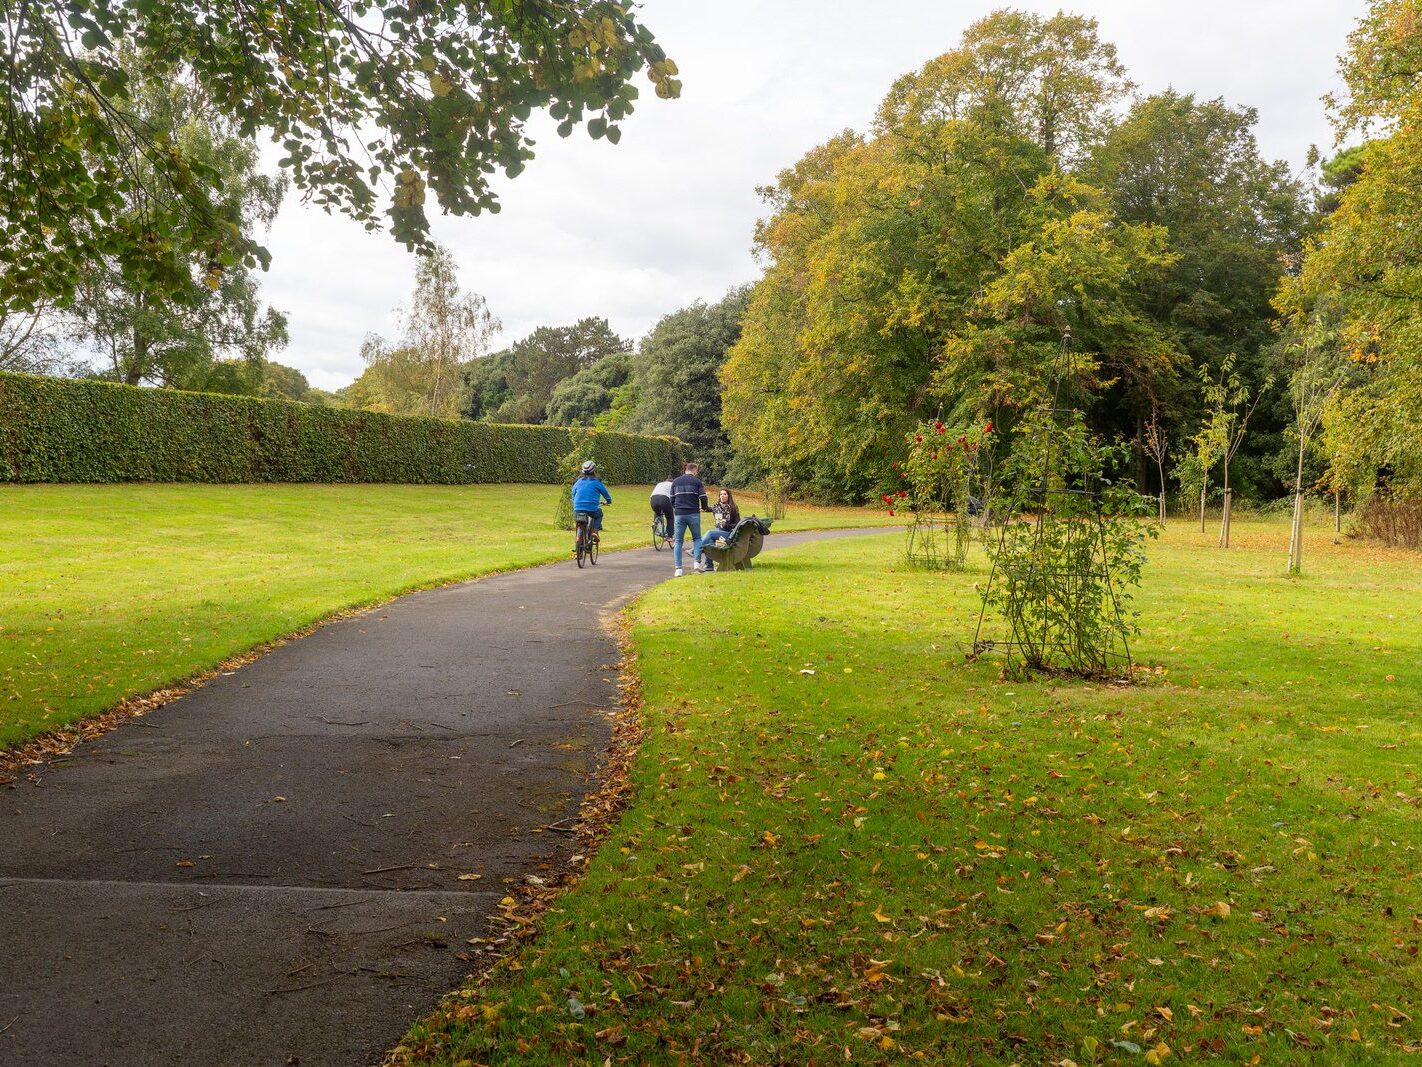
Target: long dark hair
{"x":735,"y":515}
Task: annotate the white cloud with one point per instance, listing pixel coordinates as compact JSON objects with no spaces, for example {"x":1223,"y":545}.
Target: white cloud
{"x":636,"y":230}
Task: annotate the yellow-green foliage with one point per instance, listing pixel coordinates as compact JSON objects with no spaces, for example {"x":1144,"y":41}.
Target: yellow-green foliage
{"x":56,"y":430}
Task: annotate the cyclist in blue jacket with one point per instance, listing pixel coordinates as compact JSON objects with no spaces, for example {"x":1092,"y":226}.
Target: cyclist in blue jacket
{"x":589,"y":494}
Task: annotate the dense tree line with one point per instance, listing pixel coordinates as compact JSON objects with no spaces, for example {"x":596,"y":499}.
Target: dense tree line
{"x":1233,"y":323}
{"x":585,"y":375}
{"x":1009,"y":193}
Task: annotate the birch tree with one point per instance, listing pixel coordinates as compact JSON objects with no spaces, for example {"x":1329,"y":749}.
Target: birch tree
{"x":444,"y":329}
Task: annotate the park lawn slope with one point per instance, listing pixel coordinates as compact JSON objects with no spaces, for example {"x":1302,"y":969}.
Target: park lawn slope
{"x":844,"y":844}
{"x":115,"y":591}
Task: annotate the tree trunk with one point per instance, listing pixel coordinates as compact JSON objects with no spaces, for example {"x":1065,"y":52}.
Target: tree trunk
{"x":1296,"y":536}
{"x":1202,"y":509}
{"x":1337,"y":511}
{"x":138,"y":366}
{"x":1160,"y":466}
{"x":1296,"y":528}
{"x":1224,"y":515}
{"x":1139,"y":454}
{"x":134,"y":374}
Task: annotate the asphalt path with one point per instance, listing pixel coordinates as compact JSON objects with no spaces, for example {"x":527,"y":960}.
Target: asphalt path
{"x":267,"y":871}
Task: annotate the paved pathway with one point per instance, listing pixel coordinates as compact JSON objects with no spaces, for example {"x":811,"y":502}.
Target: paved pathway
{"x":266,"y":871}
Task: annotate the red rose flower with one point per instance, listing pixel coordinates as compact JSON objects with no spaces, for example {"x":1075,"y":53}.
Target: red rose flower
{"x":988,"y":427}
{"x":938,"y":426}
{"x":918,"y":437}
{"x":903,"y":492}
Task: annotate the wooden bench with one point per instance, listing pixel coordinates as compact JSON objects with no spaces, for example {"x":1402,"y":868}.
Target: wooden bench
{"x":741,"y":547}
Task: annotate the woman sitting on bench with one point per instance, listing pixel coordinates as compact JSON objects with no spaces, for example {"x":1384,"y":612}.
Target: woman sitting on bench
{"x":727,"y":515}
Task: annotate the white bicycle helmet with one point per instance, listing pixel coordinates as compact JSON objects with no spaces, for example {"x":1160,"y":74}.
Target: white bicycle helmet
{"x":589,"y":466}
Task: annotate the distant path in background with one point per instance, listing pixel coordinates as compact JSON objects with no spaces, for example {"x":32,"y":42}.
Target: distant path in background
{"x":267,"y":871}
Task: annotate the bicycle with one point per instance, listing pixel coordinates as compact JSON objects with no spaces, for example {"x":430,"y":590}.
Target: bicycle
{"x":661,"y":532}
{"x":584,"y":545}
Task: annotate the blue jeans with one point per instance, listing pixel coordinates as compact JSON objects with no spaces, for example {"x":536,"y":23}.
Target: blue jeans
{"x":712,"y":536}
{"x":596,"y":524}
{"x":684,"y":523}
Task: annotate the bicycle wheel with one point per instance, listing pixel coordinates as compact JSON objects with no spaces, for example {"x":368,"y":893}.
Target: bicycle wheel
{"x":592,"y":551}
{"x":658,"y":533}
{"x":580,"y":546}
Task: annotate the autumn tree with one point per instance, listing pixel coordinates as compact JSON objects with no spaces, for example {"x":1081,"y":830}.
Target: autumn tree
{"x":878,"y":247}
{"x":1365,"y":265}
{"x":1318,"y":369}
{"x":1049,"y":81}
{"x":442,"y":330}
{"x":376,"y":104}
{"x":1077,"y":274}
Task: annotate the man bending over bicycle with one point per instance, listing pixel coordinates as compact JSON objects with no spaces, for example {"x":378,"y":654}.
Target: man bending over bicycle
{"x":588,"y":496}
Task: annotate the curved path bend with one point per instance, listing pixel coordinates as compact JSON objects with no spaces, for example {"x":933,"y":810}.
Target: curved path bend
{"x":267,"y":870}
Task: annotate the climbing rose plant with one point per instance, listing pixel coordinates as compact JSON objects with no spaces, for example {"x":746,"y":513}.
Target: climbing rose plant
{"x":1071,"y":554}
{"x":936,"y":478}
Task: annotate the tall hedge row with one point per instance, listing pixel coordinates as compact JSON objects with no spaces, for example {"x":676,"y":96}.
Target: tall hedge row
{"x":59,"y":430}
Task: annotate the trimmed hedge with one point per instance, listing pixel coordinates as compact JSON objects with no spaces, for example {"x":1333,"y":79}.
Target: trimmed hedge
{"x":61,"y":430}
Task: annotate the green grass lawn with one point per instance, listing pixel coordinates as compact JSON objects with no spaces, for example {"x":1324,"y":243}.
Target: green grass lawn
{"x":107,"y":592}
{"x":900,"y":856}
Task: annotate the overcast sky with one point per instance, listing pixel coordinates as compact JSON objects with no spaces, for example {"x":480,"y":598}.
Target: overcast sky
{"x":636,"y":230}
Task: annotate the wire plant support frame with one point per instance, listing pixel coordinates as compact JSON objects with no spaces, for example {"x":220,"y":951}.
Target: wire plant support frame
{"x":1051,"y":580}
{"x":937,"y":540}
{"x":942,"y":471}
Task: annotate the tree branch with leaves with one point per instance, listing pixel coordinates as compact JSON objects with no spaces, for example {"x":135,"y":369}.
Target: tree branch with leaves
{"x":377,"y":104}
